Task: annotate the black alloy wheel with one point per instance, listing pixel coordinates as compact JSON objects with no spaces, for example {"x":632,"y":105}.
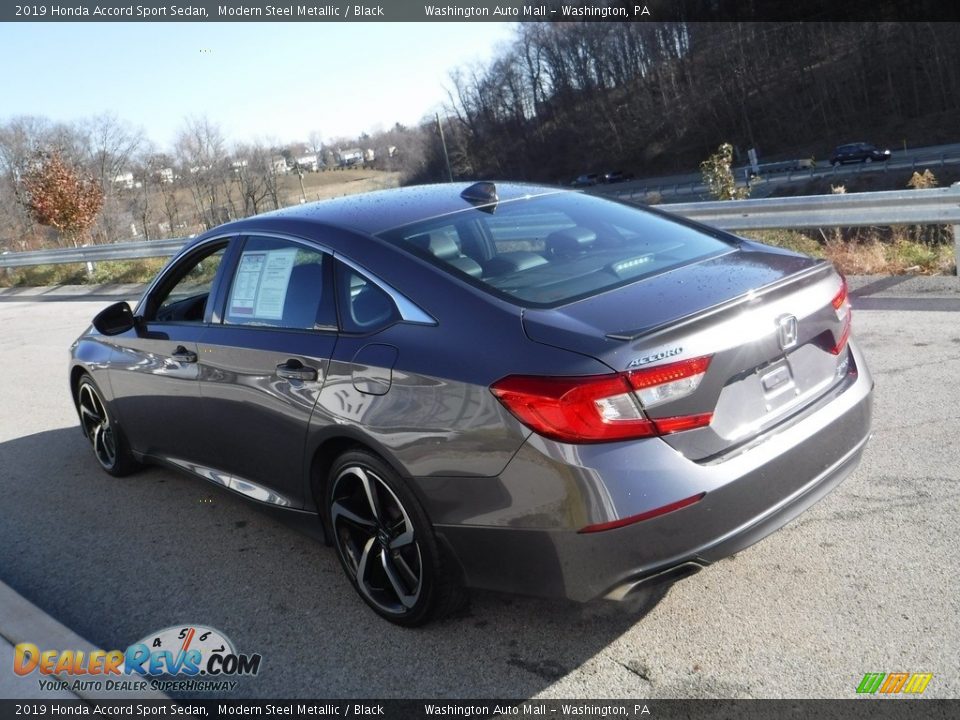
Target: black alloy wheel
{"x":385,"y":543}
{"x":106,"y":438}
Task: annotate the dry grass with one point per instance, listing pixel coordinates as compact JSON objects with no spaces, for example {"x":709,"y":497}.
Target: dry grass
{"x":113,"y":271}
{"x":897,"y":250}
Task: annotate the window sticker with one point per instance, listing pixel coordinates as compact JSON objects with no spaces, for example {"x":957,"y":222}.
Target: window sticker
{"x":260,"y":288}
{"x":244,"y":293}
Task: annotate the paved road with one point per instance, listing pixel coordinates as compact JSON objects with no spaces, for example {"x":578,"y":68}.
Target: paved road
{"x":864,"y":582}
{"x":689,"y":187}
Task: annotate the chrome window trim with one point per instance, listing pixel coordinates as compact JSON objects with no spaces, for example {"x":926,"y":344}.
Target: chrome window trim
{"x":409,"y":311}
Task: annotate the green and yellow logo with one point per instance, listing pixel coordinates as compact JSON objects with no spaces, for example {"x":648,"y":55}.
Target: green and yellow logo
{"x":889,"y":684}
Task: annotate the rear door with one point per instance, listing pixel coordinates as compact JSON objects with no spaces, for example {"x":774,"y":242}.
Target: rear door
{"x":263,"y":363}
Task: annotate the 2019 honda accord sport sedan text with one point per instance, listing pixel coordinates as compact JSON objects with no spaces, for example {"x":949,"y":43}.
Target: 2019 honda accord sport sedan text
{"x":496,"y":386}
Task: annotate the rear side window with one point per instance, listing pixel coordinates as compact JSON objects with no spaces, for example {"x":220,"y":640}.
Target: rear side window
{"x":364,"y":306}
{"x":551,"y":250}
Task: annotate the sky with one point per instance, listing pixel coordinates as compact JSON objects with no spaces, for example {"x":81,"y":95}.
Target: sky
{"x":258,"y":81}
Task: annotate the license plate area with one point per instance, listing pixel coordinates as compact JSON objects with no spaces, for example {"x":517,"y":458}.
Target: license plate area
{"x":776,"y":381}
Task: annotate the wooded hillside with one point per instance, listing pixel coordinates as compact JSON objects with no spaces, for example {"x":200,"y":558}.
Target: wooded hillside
{"x":649,"y":98}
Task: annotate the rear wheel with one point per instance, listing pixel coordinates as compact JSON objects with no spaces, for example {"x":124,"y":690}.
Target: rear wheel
{"x":868,"y":160}
{"x":386,"y":544}
{"x":107,"y":440}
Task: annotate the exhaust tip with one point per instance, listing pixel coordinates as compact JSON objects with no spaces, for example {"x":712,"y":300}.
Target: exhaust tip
{"x":669,"y":576}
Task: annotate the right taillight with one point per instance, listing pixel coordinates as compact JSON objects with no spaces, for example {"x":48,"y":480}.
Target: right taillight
{"x":841,"y":304}
{"x":602,"y":408}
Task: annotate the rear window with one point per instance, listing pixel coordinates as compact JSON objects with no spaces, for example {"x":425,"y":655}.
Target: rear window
{"x":551,"y":250}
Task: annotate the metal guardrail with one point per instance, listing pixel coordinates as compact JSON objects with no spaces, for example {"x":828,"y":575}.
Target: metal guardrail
{"x":937,"y":206}
{"x":94,"y":253}
{"x":691,"y":184}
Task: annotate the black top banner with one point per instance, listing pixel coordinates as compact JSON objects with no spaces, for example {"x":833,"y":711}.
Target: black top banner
{"x":480,"y":11}
{"x":624,"y":709}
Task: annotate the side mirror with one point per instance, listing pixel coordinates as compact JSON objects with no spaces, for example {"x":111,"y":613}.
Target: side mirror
{"x":116,"y":319}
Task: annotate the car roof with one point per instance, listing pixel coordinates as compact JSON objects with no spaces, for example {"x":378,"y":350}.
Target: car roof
{"x":376,"y":212}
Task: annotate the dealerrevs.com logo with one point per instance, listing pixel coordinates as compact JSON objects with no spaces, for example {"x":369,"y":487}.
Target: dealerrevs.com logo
{"x":186,"y":658}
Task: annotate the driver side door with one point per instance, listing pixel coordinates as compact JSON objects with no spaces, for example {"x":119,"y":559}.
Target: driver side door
{"x":155,"y":370}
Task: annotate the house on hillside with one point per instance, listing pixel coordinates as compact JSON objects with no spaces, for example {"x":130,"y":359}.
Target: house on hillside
{"x":125,"y":179}
{"x":307,"y":161}
{"x":349,"y":157}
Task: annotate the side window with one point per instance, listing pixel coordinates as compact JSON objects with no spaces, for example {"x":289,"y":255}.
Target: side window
{"x":280,"y":284}
{"x":184,"y":298}
{"x":364,"y":307}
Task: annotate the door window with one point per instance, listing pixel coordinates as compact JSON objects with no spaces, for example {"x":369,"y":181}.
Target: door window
{"x":280,"y":284}
{"x":184,"y":295}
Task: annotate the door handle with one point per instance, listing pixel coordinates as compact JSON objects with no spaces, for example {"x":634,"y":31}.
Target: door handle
{"x":181,"y":354}
{"x":296,"y":370}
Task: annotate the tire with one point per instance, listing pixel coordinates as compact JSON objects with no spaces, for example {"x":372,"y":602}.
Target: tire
{"x":109,"y":445}
{"x":386,"y":544}
{"x":868,"y":160}
{"x":836,"y":163}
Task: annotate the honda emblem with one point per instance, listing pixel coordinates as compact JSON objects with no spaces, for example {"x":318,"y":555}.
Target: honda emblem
{"x":787,"y":331}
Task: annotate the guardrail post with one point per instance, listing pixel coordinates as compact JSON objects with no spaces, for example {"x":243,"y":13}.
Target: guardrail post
{"x":956,"y":235}
{"x":956,"y":250}
{"x":91,"y":267}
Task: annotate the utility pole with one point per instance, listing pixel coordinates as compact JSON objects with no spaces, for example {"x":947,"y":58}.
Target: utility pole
{"x":303,"y":193}
{"x":444,"y":143}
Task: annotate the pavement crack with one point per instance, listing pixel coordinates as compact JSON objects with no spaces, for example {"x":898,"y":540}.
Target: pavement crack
{"x":641,"y":671}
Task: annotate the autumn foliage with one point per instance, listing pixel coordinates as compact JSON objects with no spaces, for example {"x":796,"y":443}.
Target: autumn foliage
{"x":62,"y":197}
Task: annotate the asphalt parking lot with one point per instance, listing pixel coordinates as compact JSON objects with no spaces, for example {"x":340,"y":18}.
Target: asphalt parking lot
{"x":866,"y":581}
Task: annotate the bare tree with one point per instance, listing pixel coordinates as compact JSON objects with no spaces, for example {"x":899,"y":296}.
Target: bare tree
{"x":201,"y":150}
{"x":20,"y":140}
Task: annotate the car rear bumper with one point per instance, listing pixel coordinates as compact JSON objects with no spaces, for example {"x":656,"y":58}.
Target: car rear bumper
{"x":747,"y":497}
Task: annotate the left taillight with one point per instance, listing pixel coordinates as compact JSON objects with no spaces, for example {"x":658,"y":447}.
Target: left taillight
{"x":603,"y":408}
{"x":841,"y":304}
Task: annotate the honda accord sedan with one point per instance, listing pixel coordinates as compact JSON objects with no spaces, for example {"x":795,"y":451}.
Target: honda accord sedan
{"x":497,"y":386}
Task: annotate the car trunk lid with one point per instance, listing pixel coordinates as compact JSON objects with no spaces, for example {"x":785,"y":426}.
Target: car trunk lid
{"x":766,"y":319}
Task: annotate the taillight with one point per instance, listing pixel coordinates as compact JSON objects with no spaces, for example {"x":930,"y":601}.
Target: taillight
{"x":841,"y":304}
{"x":668,"y":382}
{"x":601,"y":408}
{"x":841,"y":297}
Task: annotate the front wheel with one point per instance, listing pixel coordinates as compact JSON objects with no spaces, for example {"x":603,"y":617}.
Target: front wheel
{"x":109,"y":445}
{"x":386,"y":544}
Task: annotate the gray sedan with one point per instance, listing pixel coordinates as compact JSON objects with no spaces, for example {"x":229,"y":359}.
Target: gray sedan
{"x":500,"y":386}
